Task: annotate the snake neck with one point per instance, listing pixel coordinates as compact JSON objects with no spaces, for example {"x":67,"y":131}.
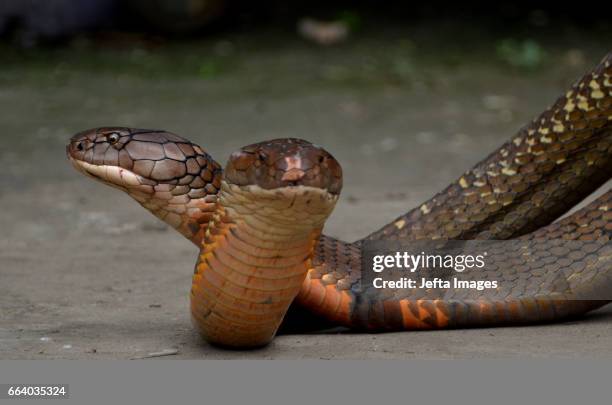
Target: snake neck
{"x":256,"y":255}
{"x":186,"y":210}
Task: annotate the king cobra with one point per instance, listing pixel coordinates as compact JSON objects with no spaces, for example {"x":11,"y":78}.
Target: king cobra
{"x":258,"y":224}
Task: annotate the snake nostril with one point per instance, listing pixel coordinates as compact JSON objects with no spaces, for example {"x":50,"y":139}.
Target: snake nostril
{"x":80,"y":146}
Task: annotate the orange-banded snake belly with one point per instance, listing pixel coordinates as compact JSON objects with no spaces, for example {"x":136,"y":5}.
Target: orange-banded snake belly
{"x":258,"y":224}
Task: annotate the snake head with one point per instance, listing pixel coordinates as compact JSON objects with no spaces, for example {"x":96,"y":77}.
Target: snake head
{"x":287,"y":162}
{"x":169,"y":175}
{"x":122,"y":157}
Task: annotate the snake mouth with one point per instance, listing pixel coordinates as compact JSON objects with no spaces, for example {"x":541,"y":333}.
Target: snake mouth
{"x":113,"y":176}
{"x":82,"y":167}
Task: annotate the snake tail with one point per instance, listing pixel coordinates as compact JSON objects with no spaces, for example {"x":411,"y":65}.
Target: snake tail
{"x":563,"y":270}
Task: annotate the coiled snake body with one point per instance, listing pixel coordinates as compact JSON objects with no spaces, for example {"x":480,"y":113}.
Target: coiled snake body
{"x":259,"y":222}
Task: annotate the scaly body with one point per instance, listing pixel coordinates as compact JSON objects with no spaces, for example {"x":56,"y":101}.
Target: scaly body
{"x":516,"y":192}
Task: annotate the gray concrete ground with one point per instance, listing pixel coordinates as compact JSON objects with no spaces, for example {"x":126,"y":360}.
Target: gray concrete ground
{"x":86,"y":273}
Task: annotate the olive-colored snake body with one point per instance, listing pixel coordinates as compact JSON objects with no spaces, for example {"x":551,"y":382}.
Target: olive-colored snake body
{"x":259,"y":222}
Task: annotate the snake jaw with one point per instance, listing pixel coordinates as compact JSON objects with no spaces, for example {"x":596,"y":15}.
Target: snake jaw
{"x":81,"y":167}
{"x":113,"y":176}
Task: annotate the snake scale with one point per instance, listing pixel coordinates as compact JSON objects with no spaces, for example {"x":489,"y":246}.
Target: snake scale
{"x":258,"y":224}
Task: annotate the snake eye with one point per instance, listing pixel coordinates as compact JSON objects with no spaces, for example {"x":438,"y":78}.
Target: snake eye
{"x":113,"y":138}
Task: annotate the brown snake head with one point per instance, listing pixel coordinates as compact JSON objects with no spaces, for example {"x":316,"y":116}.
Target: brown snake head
{"x":169,"y":175}
{"x":284,"y":162}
